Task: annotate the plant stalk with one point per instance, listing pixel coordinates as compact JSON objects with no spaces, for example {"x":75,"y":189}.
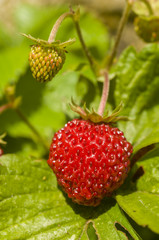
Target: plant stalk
{"x":119,"y":32}
{"x":85,"y":49}
{"x":106,"y":84}
{"x":148,"y":5}
{"x":5,"y":107}
{"x":79,"y":33}
{"x":105,"y":93}
{"x":26,"y":121}
{"x":57,"y":25}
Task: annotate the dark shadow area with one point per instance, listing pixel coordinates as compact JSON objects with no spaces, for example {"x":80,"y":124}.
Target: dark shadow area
{"x":93,"y":49}
{"x":16,"y":144}
{"x":141,"y":153}
{"x":85,"y":86}
{"x":89,"y":212}
{"x":129,"y":186}
{"x":31,"y":92}
{"x":119,"y":227}
{"x":111,"y":99}
{"x":77,"y":52}
{"x":139,"y":173}
{"x":91,"y":232}
{"x":86,"y":90}
{"x":144,"y":232}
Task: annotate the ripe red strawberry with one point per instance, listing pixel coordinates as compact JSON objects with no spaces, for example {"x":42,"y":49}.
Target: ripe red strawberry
{"x":46,"y":61}
{"x":90,"y":160}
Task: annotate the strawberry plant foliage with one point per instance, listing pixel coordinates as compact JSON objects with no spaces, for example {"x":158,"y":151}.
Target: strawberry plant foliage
{"x":138,"y":74}
{"x":143,"y":203}
{"x":42,"y":192}
{"x":32,"y":205}
{"x":39,"y":210}
{"x":42,"y":100}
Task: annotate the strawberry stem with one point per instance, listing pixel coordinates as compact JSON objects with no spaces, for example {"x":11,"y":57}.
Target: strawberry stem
{"x":85,"y":49}
{"x":5,"y":107}
{"x":122,"y":23}
{"x":120,"y":31}
{"x":105,"y":93}
{"x":148,"y":5}
{"x":75,"y":17}
{"x":57,"y":25}
{"x":80,"y":36}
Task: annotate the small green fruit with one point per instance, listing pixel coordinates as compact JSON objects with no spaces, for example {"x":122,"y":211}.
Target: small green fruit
{"x":46,"y":61}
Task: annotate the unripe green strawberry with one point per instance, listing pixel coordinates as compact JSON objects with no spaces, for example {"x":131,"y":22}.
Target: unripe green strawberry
{"x":46,"y":58}
{"x":46,"y":61}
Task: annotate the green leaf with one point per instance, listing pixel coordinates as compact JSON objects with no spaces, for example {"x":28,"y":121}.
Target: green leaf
{"x":84,"y":236}
{"x":142,"y":207}
{"x":149,"y":182}
{"x":137,"y":86}
{"x":113,"y":215}
{"x":151,"y":137}
{"x":91,"y":233}
{"x":33,"y":207}
{"x":49,"y":101}
{"x":14,"y":59}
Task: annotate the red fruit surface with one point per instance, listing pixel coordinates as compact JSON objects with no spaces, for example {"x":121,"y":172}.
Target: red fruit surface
{"x":89,"y":160}
{"x":1,"y":152}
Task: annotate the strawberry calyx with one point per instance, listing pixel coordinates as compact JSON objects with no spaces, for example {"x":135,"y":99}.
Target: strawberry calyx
{"x":2,"y":136}
{"x":94,"y":117}
{"x":45,"y":43}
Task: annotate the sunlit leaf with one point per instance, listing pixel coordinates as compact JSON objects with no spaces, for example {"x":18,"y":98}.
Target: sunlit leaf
{"x":137,"y":86}
{"x":33,"y":207}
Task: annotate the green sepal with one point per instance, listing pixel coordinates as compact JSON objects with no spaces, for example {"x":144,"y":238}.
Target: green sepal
{"x":45,"y":43}
{"x":93,"y":116}
{"x":1,"y":138}
{"x":76,"y":15}
{"x":147,"y":27}
{"x":14,"y":101}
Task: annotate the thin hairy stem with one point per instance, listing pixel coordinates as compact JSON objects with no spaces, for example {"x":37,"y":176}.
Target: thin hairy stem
{"x":5,"y":107}
{"x":85,"y":49}
{"x":122,"y":23}
{"x":148,"y":5}
{"x":57,"y":25}
{"x":105,"y":93}
{"x":119,"y":32}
